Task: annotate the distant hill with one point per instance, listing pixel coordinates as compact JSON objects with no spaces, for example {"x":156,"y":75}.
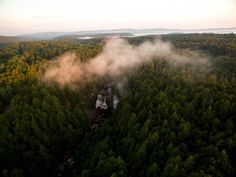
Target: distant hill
{"x":105,"y":33}
{"x":12,"y":39}
{"x":91,"y":36}
{"x":46,"y":35}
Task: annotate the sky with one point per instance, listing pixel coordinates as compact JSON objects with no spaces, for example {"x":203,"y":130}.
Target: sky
{"x":30,"y":16}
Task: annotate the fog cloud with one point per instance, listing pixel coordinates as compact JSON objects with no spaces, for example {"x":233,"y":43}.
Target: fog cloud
{"x":118,"y":56}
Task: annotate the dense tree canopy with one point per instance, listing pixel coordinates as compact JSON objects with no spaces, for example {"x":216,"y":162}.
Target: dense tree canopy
{"x":167,"y":125}
{"x":171,"y":121}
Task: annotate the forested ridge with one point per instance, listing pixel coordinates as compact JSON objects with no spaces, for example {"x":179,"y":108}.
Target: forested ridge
{"x":171,"y":120}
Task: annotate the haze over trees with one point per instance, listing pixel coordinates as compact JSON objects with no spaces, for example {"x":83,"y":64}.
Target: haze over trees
{"x":171,"y":120}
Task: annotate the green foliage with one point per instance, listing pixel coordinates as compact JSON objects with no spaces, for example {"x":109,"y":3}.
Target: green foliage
{"x":172,"y":121}
{"x":38,"y":123}
{"x":176,"y":126}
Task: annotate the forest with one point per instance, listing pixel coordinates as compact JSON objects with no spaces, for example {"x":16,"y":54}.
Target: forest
{"x":172,"y":121}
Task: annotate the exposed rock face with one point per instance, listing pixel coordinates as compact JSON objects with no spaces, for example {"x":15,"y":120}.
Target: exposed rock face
{"x":106,"y":102}
{"x":106,"y":99}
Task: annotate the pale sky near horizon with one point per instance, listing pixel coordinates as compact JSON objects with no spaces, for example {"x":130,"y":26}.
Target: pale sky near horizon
{"x":30,"y":16}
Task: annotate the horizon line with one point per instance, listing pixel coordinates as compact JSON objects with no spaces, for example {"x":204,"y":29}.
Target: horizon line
{"x":117,"y":29}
